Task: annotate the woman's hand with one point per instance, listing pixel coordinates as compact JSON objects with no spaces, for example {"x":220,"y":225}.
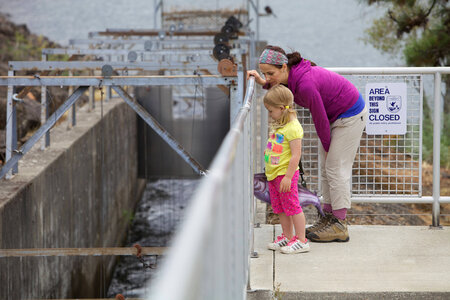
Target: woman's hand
{"x":258,"y":78}
{"x":285,"y":184}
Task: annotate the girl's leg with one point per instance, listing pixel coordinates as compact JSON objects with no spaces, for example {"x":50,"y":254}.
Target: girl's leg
{"x":299,"y":222}
{"x":286,"y":225}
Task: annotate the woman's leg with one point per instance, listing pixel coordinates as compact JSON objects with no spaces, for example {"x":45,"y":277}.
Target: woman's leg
{"x":324,"y":187}
{"x":345,"y":139}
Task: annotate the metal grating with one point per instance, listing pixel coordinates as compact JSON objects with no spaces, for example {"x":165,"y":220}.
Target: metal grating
{"x":310,"y":153}
{"x":385,"y":165}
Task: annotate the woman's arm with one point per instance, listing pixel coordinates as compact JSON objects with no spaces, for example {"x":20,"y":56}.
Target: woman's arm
{"x":258,"y":78}
{"x":296,"y":152}
{"x":313,"y":101}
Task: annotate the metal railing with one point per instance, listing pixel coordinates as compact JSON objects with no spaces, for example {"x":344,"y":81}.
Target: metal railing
{"x":212,"y":246}
{"x":394,"y":174}
{"x":209,"y":257}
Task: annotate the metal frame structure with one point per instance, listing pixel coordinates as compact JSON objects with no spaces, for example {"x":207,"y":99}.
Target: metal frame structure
{"x":13,"y":155}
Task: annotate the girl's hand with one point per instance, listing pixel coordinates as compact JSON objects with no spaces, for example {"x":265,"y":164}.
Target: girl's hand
{"x":258,"y":78}
{"x":285,"y":185}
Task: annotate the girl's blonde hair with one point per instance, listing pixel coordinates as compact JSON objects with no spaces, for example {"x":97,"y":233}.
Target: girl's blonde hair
{"x":277,"y":96}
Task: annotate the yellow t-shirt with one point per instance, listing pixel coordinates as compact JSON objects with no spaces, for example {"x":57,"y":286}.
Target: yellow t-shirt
{"x":278,"y":151}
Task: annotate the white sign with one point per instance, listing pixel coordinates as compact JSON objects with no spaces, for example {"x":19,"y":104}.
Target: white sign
{"x":386,"y":103}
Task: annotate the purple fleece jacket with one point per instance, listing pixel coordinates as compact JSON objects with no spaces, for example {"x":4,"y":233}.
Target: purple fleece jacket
{"x":326,"y":94}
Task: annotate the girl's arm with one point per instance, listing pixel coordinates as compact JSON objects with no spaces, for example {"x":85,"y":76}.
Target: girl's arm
{"x":296,"y":152}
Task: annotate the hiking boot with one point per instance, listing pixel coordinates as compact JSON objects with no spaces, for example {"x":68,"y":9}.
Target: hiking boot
{"x":279,"y":242}
{"x":295,"y":246}
{"x":320,"y":223}
{"x":334,"y":231}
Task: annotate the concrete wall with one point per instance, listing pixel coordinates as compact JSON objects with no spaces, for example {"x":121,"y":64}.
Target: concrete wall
{"x":75,"y":194}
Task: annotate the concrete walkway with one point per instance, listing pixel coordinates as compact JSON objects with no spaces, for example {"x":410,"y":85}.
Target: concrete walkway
{"x":379,"y":262}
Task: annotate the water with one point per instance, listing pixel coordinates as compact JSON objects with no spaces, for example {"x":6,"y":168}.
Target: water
{"x":329,"y":32}
{"x":157,"y":216}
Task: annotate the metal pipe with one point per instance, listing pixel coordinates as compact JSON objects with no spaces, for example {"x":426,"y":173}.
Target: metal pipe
{"x":164,"y":134}
{"x":115,"y":80}
{"x":123,"y":251}
{"x":116,"y":65}
{"x":45,"y":142}
{"x":17,"y":155}
{"x":436,"y":148}
{"x":10,"y":123}
{"x":400,"y":199}
{"x":61,"y":51}
{"x":391,"y":70}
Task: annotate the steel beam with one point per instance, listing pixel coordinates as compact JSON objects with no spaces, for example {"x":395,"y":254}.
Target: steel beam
{"x":102,"y":41}
{"x":164,"y":134}
{"x":17,"y":154}
{"x":181,"y":51}
{"x":150,"y":32}
{"x":115,"y":80}
{"x":116,"y":65}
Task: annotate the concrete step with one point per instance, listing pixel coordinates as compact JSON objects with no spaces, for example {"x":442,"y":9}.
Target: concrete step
{"x":379,"y":262}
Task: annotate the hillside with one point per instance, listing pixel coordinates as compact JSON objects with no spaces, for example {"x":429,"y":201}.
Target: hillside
{"x":17,"y":43}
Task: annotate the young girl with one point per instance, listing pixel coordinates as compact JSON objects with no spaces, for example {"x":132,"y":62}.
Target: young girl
{"x":281,"y":157}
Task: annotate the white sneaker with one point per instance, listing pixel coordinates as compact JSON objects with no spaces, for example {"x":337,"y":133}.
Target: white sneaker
{"x":279,"y":242}
{"x":295,"y":246}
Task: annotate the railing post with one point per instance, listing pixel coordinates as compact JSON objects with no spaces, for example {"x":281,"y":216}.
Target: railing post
{"x":45,"y":142}
{"x":11,"y":126}
{"x":91,"y":96}
{"x":436,"y":149}
{"x":236,"y":96}
{"x":73,"y":111}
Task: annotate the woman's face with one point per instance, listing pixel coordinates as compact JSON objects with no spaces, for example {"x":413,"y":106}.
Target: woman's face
{"x":274,"y":75}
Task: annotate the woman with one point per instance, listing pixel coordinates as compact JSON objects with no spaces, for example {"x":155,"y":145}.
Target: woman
{"x":339,"y":115}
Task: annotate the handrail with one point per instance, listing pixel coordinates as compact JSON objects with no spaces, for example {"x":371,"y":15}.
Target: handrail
{"x":200,"y":216}
{"x":390,"y":70}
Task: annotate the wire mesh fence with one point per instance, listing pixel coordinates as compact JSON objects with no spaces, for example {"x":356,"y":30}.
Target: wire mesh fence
{"x":385,"y":165}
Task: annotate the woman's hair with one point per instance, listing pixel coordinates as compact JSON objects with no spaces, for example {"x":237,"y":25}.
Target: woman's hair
{"x":294,"y":58}
{"x":277,"y":96}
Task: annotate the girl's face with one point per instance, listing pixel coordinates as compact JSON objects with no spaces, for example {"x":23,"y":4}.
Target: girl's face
{"x":275,"y":112}
{"x":275,"y":75}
